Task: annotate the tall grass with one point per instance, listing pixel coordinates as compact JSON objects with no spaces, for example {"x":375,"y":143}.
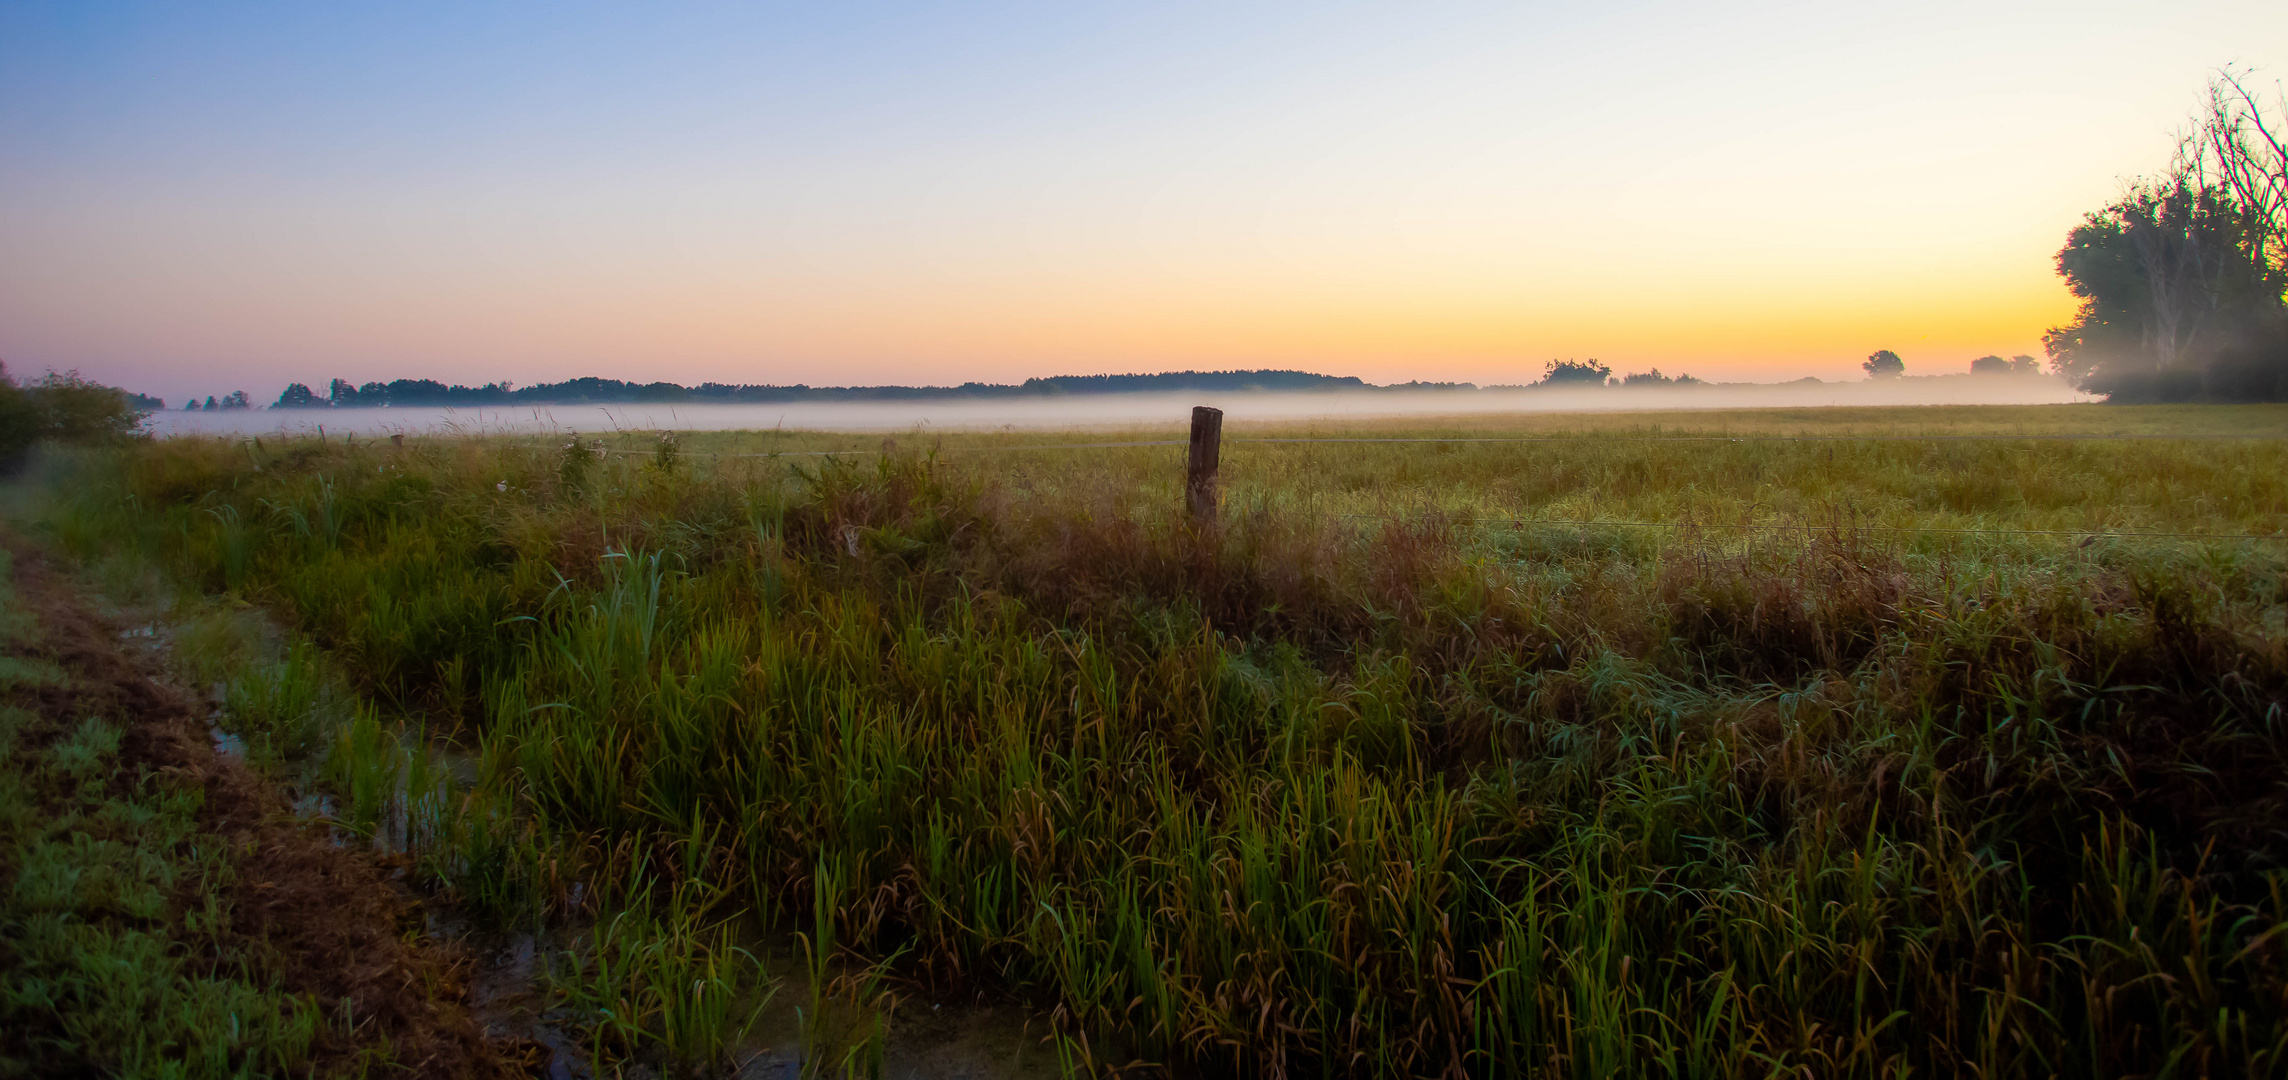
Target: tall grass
{"x":1316,"y":794}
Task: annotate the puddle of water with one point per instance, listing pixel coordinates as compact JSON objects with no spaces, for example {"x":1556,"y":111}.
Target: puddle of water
{"x":316,"y":805}
{"x":505,"y":998}
{"x":927,"y":1040}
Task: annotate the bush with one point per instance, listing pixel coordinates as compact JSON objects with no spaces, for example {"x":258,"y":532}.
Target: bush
{"x":19,"y":424}
{"x":63,"y":407}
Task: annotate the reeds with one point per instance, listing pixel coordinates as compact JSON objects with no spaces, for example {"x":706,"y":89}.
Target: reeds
{"x":1312,"y":795}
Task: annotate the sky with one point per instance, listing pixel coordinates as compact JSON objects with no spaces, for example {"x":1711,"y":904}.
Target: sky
{"x":200,"y":198}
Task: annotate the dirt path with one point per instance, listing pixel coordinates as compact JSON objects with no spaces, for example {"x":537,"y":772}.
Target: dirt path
{"x":301,"y":920}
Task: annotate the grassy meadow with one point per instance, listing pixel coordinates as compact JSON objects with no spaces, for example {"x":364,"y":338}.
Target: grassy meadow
{"x":1432,"y":759}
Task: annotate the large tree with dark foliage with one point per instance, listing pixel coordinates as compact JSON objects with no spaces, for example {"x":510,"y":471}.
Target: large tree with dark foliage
{"x":2182,"y":279}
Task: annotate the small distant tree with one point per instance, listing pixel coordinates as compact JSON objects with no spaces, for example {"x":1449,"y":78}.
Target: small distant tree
{"x":1990,"y":365}
{"x":1884,"y":364}
{"x":237,"y":399}
{"x":342,"y":394}
{"x":211,"y":406}
{"x":1576,"y":373}
{"x":298,"y":396}
{"x":2023,"y":364}
{"x":1647,"y":378}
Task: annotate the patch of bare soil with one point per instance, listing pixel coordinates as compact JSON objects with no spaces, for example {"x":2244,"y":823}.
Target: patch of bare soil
{"x":337,"y":924}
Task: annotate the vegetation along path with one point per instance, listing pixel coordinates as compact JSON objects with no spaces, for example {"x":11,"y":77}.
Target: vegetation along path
{"x":162,"y":913}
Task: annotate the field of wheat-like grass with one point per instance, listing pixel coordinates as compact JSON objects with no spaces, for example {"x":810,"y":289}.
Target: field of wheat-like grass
{"x":1655,"y":745}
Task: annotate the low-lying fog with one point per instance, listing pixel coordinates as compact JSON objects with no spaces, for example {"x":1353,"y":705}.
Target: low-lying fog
{"x":1101,"y":410}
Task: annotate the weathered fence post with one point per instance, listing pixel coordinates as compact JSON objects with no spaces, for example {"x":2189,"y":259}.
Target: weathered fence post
{"x":1200,"y":466}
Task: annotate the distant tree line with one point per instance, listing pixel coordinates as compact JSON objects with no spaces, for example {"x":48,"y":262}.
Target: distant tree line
{"x":1584,"y":374}
{"x":406,"y":393}
{"x":1885,"y":364}
{"x":343,"y":394}
{"x":1995,"y":365}
{"x":236,"y":399}
{"x":2183,"y":280}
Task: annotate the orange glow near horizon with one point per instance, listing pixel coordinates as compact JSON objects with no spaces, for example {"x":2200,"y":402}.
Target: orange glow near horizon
{"x":824,"y":331}
{"x":770,"y":197}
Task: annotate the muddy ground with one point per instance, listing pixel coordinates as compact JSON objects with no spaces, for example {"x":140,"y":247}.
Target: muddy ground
{"x":332,"y":924}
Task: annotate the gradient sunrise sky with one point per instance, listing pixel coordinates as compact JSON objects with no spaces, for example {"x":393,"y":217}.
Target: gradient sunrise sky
{"x":202,"y":197}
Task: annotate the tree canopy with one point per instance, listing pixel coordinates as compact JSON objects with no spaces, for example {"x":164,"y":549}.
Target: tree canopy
{"x":1576,"y":373}
{"x":2183,"y":280}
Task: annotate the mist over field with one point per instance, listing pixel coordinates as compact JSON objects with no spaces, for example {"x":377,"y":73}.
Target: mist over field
{"x":1108,"y":410}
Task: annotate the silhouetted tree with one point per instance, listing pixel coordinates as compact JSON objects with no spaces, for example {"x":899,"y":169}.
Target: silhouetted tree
{"x":1990,"y":365}
{"x":2022,"y":364}
{"x":1884,"y":364}
{"x":298,"y":396}
{"x":1576,"y":373}
{"x":2187,"y":266}
{"x":2242,"y":145}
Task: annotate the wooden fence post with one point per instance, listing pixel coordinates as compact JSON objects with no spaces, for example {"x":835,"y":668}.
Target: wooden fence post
{"x":1200,"y":465}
